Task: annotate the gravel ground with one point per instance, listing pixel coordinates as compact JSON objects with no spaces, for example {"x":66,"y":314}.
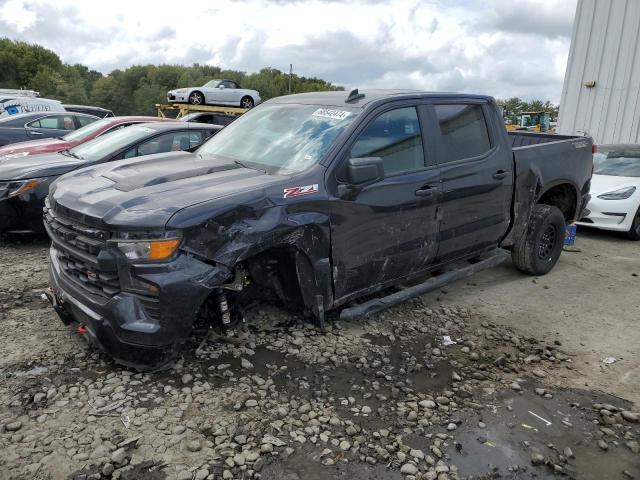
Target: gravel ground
{"x":383,"y":398}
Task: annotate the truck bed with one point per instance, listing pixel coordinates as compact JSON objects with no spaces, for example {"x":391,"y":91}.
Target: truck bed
{"x":541,"y":161}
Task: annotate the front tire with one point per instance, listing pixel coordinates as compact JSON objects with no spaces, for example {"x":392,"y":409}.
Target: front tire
{"x":634,"y":231}
{"x":246,"y":102}
{"x":196,"y":98}
{"x":539,"y":249}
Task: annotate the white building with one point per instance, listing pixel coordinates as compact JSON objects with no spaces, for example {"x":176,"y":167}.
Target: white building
{"x":601,"y":92}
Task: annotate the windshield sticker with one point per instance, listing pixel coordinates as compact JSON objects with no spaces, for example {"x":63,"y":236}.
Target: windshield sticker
{"x":331,"y":113}
{"x":299,"y":191}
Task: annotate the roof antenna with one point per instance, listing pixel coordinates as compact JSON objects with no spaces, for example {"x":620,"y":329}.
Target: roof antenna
{"x":354,"y":95}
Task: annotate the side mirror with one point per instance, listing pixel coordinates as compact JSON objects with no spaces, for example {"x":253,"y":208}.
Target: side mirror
{"x":221,"y":87}
{"x":364,"y":170}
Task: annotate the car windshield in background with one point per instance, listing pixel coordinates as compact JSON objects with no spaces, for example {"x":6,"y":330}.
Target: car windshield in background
{"x":106,"y":144}
{"x":82,"y":133}
{"x":280,"y":138}
{"x":619,"y":163}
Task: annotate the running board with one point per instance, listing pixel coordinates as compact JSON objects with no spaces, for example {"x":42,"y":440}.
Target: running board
{"x":378,"y":304}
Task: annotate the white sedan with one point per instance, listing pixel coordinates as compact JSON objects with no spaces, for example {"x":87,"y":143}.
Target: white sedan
{"x":615,"y":190}
{"x":216,"y":92}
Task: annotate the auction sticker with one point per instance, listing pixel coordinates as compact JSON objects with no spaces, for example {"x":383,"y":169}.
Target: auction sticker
{"x":331,"y":113}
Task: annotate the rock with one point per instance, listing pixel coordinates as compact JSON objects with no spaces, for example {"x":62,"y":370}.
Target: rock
{"x":202,"y":474}
{"x":187,"y":378}
{"x":107,"y":469}
{"x":239,"y":459}
{"x":540,"y":391}
{"x":118,"y":457}
{"x":266,"y":448}
{"x":633,"y":417}
{"x":344,"y":445}
{"x":13,"y":426}
{"x":244,"y":363}
{"x":537,"y":459}
{"x":409,"y":469}
{"x":227,"y":475}
{"x":568,"y":452}
{"x":427,"y":404}
{"x":603,"y":445}
{"x":185,"y":475}
{"x":251,"y":403}
{"x":516,"y":386}
{"x":194,"y":446}
{"x":366,"y":410}
{"x":418,"y":454}
{"x":452,"y":426}
{"x":539,"y":373}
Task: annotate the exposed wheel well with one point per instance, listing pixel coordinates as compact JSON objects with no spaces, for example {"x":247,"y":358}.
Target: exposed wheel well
{"x":562,"y":196}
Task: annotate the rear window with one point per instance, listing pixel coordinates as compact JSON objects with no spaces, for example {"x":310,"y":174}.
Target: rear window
{"x":464,"y":131}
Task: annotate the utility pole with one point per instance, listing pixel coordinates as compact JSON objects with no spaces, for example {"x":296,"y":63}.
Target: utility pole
{"x":290,"y":74}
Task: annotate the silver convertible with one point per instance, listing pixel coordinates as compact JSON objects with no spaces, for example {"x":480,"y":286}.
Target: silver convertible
{"x":216,"y":92}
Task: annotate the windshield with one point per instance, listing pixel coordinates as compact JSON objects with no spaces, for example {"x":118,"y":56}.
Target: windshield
{"x":620,"y":162}
{"x":212,"y":83}
{"x":280,"y":138}
{"x":104,"y":145}
{"x":86,"y":131}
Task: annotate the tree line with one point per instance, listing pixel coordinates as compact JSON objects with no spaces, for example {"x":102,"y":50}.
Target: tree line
{"x":134,"y":90}
{"x":514,"y":106}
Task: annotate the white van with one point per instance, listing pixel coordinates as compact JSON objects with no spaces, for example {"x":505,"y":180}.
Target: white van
{"x":13,"y":104}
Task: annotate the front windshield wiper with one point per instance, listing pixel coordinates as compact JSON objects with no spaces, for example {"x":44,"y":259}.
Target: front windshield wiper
{"x":69,"y":153}
{"x":243,"y":165}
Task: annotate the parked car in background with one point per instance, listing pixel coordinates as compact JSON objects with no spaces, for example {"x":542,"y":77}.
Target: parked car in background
{"x":216,"y":92}
{"x":11,"y":104}
{"x":207,"y":117}
{"x":615,"y":190}
{"x":97,"y":111}
{"x":24,"y":181}
{"x":70,"y":140}
{"x":29,"y":126}
{"x":318,"y":198}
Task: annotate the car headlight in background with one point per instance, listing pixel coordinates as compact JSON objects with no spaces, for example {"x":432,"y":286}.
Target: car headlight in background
{"x":151,"y":247}
{"x":18,"y":187}
{"x":619,"y":194}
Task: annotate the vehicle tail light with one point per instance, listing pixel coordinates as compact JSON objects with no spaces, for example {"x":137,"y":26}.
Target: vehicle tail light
{"x":594,"y":148}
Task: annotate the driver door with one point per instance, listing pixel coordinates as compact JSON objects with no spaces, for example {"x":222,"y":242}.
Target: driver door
{"x":386,"y":230}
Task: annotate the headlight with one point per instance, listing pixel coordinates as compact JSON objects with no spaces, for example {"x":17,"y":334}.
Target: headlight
{"x":18,"y":187}
{"x":151,"y":247}
{"x":619,"y":194}
{"x":15,"y":155}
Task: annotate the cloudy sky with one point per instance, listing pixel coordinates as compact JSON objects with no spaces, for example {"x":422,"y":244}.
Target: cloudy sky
{"x":500,"y":47}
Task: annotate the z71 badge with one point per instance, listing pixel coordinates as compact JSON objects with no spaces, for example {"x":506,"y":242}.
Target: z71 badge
{"x":299,"y":191}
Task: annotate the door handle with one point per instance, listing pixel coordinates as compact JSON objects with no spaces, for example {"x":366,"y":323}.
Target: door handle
{"x":425,"y":191}
{"x":500,"y":175}
{"x":35,"y":133}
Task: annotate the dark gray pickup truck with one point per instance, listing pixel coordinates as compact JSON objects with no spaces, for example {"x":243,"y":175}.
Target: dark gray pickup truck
{"x":321,"y":199}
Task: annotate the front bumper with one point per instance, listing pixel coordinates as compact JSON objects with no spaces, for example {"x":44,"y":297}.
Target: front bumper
{"x":177,"y":97}
{"x":125,"y":326}
{"x":614,"y":215}
{"x":24,"y":212}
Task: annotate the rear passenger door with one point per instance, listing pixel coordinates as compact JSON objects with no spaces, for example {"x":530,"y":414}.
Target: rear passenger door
{"x":477,"y":180}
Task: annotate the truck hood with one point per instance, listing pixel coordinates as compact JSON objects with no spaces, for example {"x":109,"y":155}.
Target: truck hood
{"x":147,"y":192}
{"x":43,"y":145}
{"x":37,"y":166}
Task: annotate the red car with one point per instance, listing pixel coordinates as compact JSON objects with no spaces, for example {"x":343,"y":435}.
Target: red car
{"x":84,"y":134}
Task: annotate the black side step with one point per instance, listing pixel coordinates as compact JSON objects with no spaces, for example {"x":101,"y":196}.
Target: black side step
{"x":378,"y":304}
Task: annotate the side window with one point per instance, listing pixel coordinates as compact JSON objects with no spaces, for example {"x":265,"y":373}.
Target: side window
{"x":395,"y":137}
{"x":84,"y":121}
{"x":464,"y":131}
{"x":54,"y":122}
{"x":229,"y":84}
{"x":186,"y":140}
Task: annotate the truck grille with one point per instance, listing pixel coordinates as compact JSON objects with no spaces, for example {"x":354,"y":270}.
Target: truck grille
{"x":78,"y":247}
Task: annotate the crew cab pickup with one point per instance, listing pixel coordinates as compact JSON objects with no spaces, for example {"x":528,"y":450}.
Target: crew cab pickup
{"x":323,"y":199}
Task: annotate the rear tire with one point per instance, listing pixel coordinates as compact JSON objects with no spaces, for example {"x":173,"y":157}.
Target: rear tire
{"x":539,"y":249}
{"x":246,"y":102}
{"x":634,"y":231}
{"x":196,"y":98}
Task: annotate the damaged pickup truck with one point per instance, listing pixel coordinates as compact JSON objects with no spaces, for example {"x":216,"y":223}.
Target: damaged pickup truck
{"x":321,"y":200}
